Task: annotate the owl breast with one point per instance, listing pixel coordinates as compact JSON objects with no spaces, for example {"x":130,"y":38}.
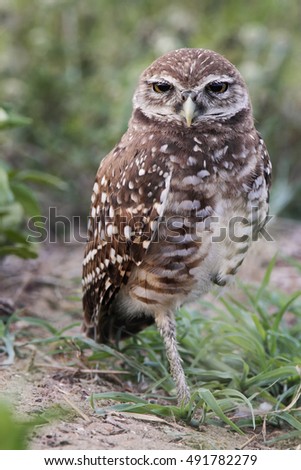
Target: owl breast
{"x":190,"y":254}
{"x":208,"y":223}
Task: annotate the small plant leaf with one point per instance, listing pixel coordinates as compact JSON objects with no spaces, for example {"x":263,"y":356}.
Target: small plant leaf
{"x":41,"y":177}
{"x":212,"y":403}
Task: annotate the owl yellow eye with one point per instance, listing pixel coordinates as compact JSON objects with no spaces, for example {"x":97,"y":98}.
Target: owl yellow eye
{"x":217,"y":87}
{"x":161,"y":87}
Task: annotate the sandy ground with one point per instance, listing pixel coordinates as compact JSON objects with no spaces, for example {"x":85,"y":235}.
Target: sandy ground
{"x":43,"y":288}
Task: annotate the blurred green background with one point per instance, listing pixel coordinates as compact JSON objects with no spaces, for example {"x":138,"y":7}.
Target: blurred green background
{"x":71,"y":67}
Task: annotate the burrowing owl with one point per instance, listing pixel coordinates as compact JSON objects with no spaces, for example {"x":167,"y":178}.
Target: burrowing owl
{"x":176,"y":204}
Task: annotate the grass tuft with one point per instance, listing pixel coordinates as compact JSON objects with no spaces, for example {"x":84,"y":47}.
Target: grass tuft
{"x":242,"y":363}
{"x":242,"y":360}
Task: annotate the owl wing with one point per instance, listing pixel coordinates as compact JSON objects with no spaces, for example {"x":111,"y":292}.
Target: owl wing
{"x":128,"y":200}
{"x":258,"y":187}
{"x":267,"y":165}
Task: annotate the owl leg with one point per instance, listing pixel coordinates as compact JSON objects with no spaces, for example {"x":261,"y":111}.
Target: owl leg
{"x":166,"y":324}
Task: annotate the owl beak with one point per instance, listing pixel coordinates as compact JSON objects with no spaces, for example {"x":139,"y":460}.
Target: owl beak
{"x":189,"y":107}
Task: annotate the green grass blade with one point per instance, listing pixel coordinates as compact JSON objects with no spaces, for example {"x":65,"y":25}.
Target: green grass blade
{"x":278,"y":317}
{"x":266,"y":378}
{"x":284,"y":437}
{"x":136,"y":405}
{"x":120,"y":396}
{"x":237,"y":394}
{"x":266,"y":279}
{"x":290,"y":419}
{"x":212,"y":403}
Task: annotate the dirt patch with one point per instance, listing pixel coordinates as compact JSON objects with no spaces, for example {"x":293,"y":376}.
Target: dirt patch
{"x":83,"y":429}
{"x":46,"y":288}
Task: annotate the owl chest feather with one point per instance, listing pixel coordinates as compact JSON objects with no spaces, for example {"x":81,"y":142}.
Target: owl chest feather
{"x":205,"y":232}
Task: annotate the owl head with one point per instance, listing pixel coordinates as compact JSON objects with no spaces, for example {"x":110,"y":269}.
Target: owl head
{"x":188,"y":87}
